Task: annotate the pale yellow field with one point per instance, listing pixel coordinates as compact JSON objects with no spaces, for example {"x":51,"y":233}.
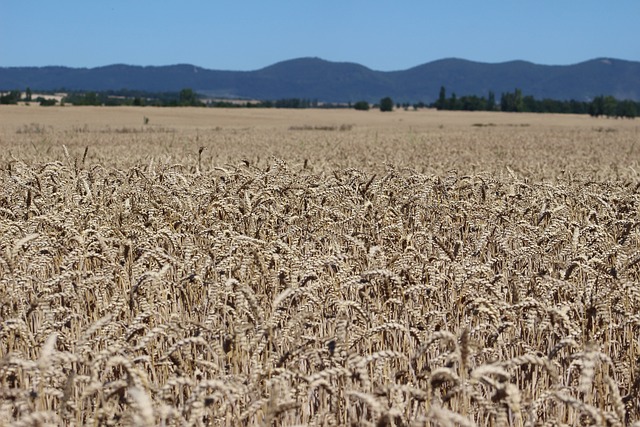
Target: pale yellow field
{"x":65,"y":118}
{"x":318,"y":267}
{"x":426,"y":140}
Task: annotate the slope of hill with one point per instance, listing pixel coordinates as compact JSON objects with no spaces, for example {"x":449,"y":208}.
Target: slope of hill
{"x":314,"y":78}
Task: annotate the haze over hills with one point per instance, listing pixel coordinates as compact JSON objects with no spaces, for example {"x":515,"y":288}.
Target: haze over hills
{"x":314,"y":78}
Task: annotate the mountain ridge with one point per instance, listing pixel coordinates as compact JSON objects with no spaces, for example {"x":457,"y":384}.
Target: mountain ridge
{"x":329,"y":81}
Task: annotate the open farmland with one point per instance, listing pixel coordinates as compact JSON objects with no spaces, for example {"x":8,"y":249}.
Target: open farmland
{"x":271,"y":267}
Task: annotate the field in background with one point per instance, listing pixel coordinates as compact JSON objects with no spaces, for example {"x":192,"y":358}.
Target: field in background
{"x":427,"y":141}
{"x":317,"y":267}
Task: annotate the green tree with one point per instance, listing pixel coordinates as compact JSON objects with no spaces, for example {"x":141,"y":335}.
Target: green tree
{"x":91,"y":98}
{"x":361,"y":106}
{"x":610,"y":105}
{"x":386,"y":104}
{"x":28,"y":94}
{"x":596,"y":108}
{"x":46,"y":102}
{"x":512,"y":101}
{"x":626,"y":109}
{"x":519,"y":101}
{"x":472,"y":103}
{"x":189,"y":98}
{"x":491,"y":102}
{"x":529,"y":104}
{"x":10,"y":98}
{"x":441,"y":103}
{"x":453,"y":102}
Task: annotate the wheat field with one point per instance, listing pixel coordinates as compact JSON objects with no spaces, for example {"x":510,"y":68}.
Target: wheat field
{"x":271,"y":267}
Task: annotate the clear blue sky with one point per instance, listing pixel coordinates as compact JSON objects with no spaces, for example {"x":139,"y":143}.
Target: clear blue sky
{"x":380,"y":34}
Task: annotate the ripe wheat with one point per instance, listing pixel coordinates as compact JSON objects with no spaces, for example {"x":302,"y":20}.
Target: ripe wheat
{"x":478,"y":276}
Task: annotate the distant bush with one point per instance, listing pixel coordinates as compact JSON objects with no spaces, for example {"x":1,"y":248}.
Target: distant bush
{"x":46,"y":102}
{"x":11,"y":97}
{"x":386,"y":104}
{"x":361,"y":106}
{"x":188,"y":98}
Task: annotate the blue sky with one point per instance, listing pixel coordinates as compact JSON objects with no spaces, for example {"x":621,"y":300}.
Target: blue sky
{"x":247,"y":35}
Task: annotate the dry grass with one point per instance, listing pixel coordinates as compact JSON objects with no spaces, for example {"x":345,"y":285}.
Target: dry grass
{"x":224,"y":268}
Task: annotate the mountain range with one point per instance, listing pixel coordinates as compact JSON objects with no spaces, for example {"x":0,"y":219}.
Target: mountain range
{"x":315,"y":78}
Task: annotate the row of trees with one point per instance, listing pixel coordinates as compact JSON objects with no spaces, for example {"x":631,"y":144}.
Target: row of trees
{"x":517,"y":102}
{"x":185,"y":98}
{"x":611,"y":107}
{"x":509,"y":101}
{"x":15,"y":96}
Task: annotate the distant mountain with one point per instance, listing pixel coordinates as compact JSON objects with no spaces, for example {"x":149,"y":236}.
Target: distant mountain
{"x":315,"y":78}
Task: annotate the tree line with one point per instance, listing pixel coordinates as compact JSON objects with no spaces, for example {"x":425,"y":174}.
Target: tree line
{"x":185,"y":98}
{"x":15,"y":96}
{"x":515,"y":101}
